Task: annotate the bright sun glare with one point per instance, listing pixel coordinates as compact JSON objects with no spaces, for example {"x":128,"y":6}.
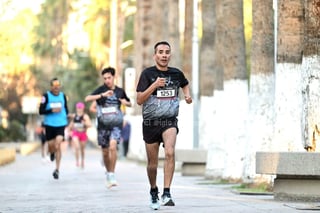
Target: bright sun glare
{"x":15,"y":6}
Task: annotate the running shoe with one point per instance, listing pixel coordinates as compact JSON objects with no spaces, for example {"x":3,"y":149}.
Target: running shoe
{"x":56,"y":174}
{"x":154,"y":201}
{"x":111,"y":180}
{"x":166,"y":200}
{"x":45,"y":160}
{"x":52,"y":157}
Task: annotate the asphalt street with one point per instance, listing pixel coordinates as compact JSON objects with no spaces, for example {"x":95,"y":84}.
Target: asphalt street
{"x":27,"y":185}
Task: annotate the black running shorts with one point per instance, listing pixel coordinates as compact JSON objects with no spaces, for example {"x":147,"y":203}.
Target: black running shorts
{"x":53,"y":132}
{"x":153,"y":129}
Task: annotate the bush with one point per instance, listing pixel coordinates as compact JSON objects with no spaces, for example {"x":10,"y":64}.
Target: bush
{"x":14,"y":133}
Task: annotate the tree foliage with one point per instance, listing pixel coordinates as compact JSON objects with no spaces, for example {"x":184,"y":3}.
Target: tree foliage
{"x":15,"y":132}
{"x":15,"y":37}
{"x":52,"y":19}
{"x":16,"y":55}
{"x":51,"y":45}
{"x":79,"y":78}
{"x":97,"y":26}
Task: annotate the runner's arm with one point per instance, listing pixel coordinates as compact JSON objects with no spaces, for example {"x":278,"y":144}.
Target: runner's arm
{"x":143,"y":96}
{"x":43,"y":105}
{"x":98,"y":96}
{"x":87,"y":121}
{"x":186,"y":92}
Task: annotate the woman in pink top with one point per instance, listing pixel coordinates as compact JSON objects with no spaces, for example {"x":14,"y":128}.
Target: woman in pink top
{"x":78,"y":126}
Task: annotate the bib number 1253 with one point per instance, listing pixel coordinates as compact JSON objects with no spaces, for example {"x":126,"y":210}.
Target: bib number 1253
{"x":165,"y":93}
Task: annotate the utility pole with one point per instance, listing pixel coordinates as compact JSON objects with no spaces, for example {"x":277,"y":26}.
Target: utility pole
{"x":195,"y":75}
{"x":113,"y":33}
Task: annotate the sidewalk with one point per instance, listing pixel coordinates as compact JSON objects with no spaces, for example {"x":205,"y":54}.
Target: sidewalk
{"x":27,"y":185}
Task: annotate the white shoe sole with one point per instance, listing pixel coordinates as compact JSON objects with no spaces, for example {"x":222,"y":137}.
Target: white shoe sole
{"x":109,"y":185}
{"x":155,"y":207}
{"x":167,"y":202}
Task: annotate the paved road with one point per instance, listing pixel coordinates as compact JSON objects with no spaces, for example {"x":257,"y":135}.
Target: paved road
{"x":27,"y":185}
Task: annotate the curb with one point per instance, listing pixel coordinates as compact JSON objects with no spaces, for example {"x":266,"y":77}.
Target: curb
{"x":7,"y":155}
{"x":8,"y":151}
{"x":29,"y":147}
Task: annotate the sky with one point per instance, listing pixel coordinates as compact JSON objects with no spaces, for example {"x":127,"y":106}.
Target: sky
{"x":34,"y":4}
{"x":7,"y":12}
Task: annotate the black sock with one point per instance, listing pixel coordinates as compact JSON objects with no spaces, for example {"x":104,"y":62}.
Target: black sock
{"x":154,"y":189}
{"x":166,"y":191}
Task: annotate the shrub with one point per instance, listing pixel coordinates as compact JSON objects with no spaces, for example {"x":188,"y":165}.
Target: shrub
{"x":14,"y":133}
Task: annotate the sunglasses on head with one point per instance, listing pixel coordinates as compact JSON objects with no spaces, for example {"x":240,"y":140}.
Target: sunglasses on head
{"x":55,"y":84}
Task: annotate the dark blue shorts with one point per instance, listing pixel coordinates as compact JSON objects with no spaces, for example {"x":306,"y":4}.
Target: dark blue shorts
{"x":105,"y":135}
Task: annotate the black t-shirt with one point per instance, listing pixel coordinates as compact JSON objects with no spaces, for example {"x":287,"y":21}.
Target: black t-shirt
{"x":108,"y":108}
{"x":113,"y":100}
{"x":164,"y":101}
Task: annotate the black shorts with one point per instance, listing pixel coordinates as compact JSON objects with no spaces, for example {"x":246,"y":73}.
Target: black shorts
{"x":42,"y":138}
{"x":53,"y":132}
{"x":153,"y":129}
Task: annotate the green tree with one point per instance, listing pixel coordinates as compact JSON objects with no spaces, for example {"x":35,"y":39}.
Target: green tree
{"x":98,"y":28}
{"x":52,"y":19}
{"x":16,"y":55}
{"x":83,"y":74}
{"x":49,"y":45}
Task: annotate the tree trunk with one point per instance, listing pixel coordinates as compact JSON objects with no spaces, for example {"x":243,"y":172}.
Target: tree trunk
{"x":288,"y":100}
{"x":311,"y":76}
{"x":231,"y":42}
{"x":151,"y":25}
{"x":261,"y":95}
{"x":143,"y":27}
{"x":174,"y":33}
{"x":166,"y":27}
{"x":143,"y":35}
{"x":227,"y":147}
{"x":116,"y":38}
{"x":187,"y":42}
{"x":207,"y":50}
{"x":121,"y":23}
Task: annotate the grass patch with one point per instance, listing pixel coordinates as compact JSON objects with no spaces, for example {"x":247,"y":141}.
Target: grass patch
{"x":214,"y":182}
{"x":253,"y":188}
{"x":262,"y":188}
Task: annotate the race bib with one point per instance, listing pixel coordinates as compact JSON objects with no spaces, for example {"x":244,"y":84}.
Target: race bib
{"x":109,"y":110}
{"x":55,"y":105}
{"x":166,"y":93}
{"x":110,"y":117}
{"x":79,"y":127}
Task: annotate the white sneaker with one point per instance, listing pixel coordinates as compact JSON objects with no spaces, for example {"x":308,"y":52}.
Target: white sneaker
{"x":166,"y":200}
{"x":154,"y":201}
{"x":111,"y":180}
{"x":45,"y":159}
